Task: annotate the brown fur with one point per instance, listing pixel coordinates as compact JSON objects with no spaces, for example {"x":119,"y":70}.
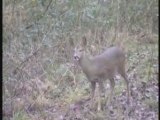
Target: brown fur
{"x":101,"y":67}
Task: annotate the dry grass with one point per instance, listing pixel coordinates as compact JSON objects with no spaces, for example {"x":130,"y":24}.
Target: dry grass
{"x":42,"y":82}
{"x":62,"y":85}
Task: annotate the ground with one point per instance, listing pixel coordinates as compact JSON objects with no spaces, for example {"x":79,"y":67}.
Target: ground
{"x":66,"y":97}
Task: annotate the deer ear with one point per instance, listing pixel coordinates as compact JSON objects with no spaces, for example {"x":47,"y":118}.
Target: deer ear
{"x":84,"y":41}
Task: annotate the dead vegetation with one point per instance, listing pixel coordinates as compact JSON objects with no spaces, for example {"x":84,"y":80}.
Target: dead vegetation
{"x":40,"y":79}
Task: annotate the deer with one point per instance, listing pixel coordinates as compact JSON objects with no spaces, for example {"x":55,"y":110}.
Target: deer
{"x":101,"y":67}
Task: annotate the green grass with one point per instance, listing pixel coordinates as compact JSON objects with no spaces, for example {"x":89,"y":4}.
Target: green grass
{"x":20,"y":115}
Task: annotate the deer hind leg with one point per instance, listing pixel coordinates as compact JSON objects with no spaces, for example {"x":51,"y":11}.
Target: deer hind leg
{"x":101,"y":94}
{"x":112,"y":83}
{"x":122,"y":72}
{"x":93,"y":86}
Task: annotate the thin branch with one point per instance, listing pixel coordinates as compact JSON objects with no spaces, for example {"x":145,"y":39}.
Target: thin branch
{"x":29,"y":26}
{"x":47,"y":7}
{"x":26,"y":60}
{"x":20,"y":66}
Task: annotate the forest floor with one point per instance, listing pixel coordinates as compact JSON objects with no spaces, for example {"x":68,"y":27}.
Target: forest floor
{"x":67,"y":99}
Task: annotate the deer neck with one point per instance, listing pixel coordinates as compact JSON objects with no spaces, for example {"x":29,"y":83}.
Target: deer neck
{"x":85,"y":63}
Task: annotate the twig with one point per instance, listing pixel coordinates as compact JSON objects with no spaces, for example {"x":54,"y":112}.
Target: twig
{"x":29,"y":26}
{"x":27,"y":59}
{"x":47,"y":7}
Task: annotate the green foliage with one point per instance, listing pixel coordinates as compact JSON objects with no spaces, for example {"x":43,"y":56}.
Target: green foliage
{"x":152,"y":104}
{"x":63,"y":17}
{"x":20,"y":115}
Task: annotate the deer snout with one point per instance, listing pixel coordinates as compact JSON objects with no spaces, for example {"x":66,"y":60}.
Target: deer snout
{"x":76,"y":58}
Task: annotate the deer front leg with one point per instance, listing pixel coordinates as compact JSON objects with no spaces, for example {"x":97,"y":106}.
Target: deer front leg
{"x":93,"y":86}
{"x":101,"y":89}
{"x":100,"y":95}
{"x":112,"y":84}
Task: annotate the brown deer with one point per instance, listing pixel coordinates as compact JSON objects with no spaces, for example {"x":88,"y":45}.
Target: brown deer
{"x":101,"y":67}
